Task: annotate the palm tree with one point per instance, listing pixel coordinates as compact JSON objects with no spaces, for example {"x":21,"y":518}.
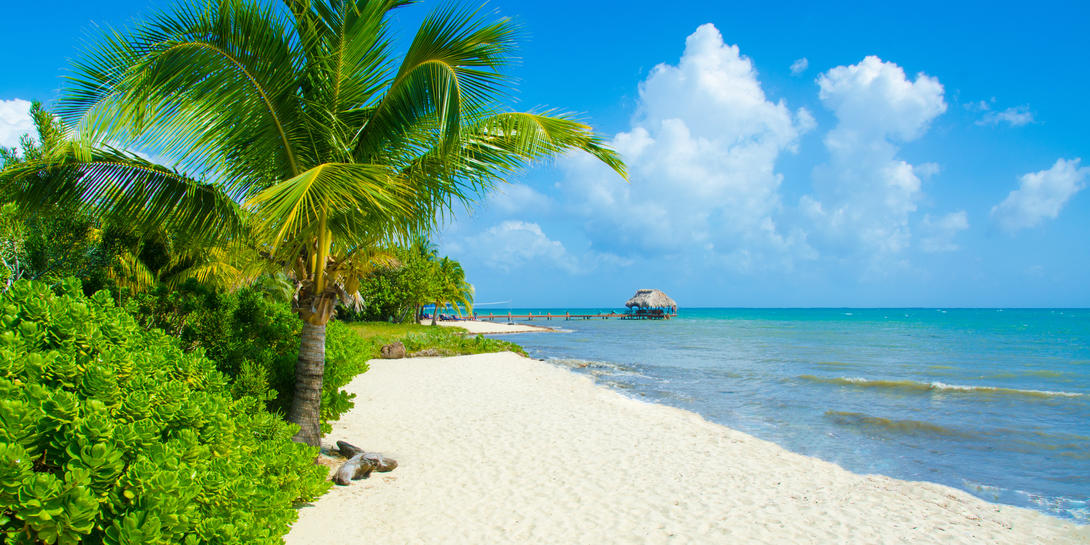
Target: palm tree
{"x":426,"y":253}
{"x":294,"y":126}
{"x":451,"y":288}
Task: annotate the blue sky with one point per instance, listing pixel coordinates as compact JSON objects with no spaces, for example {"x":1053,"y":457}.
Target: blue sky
{"x":793,"y":154}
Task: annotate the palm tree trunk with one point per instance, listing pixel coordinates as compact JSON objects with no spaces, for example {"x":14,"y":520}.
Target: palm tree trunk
{"x":309,"y":371}
{"x":435,"y":313}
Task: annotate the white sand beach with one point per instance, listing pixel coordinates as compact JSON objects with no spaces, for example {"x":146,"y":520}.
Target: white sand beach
{"x":497,"y":448}
{"x":480,"y":327}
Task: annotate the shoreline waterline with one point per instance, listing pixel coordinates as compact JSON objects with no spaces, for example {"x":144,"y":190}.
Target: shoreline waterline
{"x":996,"y":404}
{"x":502,"y":448}
{"x":478,"y":327}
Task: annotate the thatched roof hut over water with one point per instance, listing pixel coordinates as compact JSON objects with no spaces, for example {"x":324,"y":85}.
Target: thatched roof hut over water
{"x":652,"y":299}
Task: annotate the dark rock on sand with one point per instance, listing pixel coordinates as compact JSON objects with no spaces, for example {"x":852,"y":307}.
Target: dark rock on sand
{"x":393,"y":351}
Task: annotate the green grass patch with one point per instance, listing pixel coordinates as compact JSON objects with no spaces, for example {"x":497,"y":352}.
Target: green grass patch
{"x":385,"y":330}
{"x":436,"y":340}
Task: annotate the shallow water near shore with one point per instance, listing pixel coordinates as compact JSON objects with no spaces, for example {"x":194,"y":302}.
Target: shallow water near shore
{"x":992,"y":401}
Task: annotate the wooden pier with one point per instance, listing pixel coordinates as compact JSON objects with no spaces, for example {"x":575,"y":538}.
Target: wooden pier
{"x":569,"y":316}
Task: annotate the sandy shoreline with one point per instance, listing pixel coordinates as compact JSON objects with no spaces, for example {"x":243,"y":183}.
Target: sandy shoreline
{"x":496,"y":448}
{"x":480,"y":327}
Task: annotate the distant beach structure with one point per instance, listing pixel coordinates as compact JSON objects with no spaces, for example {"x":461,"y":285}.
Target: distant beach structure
{"x":650,"y":305}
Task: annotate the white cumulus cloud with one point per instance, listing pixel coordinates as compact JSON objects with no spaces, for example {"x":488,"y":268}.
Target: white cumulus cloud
{"x":875,"y":97}
{"x":15,"y":121}
{"x":1040,"y":195}
{"x":799,"y":66}
{"x":938,"y":233}
{"x":701,"y":154}
{"x":863,"y":197}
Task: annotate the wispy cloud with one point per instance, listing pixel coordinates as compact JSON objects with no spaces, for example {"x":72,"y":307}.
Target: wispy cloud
{"x":512,"y":244}
{"x":1015,"y":117}
{"x":518,"y":198}
{"x":799,"y":66}
{"x":939,"y":233}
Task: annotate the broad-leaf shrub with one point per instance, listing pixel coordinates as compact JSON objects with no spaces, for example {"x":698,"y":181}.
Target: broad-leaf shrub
{"x":255,"y":341}
{"x":109,"y":433}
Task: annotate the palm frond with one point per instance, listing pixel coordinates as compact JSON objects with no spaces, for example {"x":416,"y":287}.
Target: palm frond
{"x":127,"y":271}
{"x":512,"y":139}
{"x":211,"y":86}
{"x":451,"y":70}
{"x":123,"y":187}
{"x":297,"y":208}
{"x":227,"y":267}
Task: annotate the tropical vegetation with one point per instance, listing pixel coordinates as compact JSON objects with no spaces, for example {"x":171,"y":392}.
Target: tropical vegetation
{"x":253,"y":337}
{"x":293,"y":132}
{"x":111,"y":433}
{"x":414,"y":276}
{"x":50,"y":241}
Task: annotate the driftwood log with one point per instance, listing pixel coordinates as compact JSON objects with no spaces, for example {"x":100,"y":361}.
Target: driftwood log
{"x":347,"y":449}
{"x":355,"y":468}
{"x":360,"y":464}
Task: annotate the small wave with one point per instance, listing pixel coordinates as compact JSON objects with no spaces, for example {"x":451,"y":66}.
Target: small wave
{"x":1000,"y":376}
{"x":588,"y":364}
{"x":598,"y":369}
{"x":836,"y":364}
{"x":1077,"y":509}
{"x":861,"y":420}
{"x":913,"y":386}
{"x":1047,"y":373}
{"x":619,"y":386}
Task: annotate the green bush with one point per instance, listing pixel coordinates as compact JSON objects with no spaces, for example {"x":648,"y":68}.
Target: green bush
{"x":255,"y":341}
{"x":346,"y":355}
{"x":450,"y":342}
{"x":393,"y":293}
{"x":109,"y":433}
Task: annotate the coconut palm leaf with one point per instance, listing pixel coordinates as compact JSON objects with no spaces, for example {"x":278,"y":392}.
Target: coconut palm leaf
{"x":122,"y":186}
{"x":513,"y":138}
{"x":298,"y":205}
{"x":127,"y":271}
{"x":213,"y":87}
{"x":450,"y":69}
{"x":226,"y":267}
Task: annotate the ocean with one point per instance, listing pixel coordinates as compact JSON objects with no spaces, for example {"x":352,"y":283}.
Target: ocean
{"x":995,"y":402}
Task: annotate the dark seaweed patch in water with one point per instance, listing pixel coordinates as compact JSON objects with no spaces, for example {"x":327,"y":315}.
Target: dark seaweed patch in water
{"x":904,"y":427}
{"x":1037,"y":442}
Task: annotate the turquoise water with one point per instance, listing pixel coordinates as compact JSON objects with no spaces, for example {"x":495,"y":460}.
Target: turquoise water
{"x":992,"y":401}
